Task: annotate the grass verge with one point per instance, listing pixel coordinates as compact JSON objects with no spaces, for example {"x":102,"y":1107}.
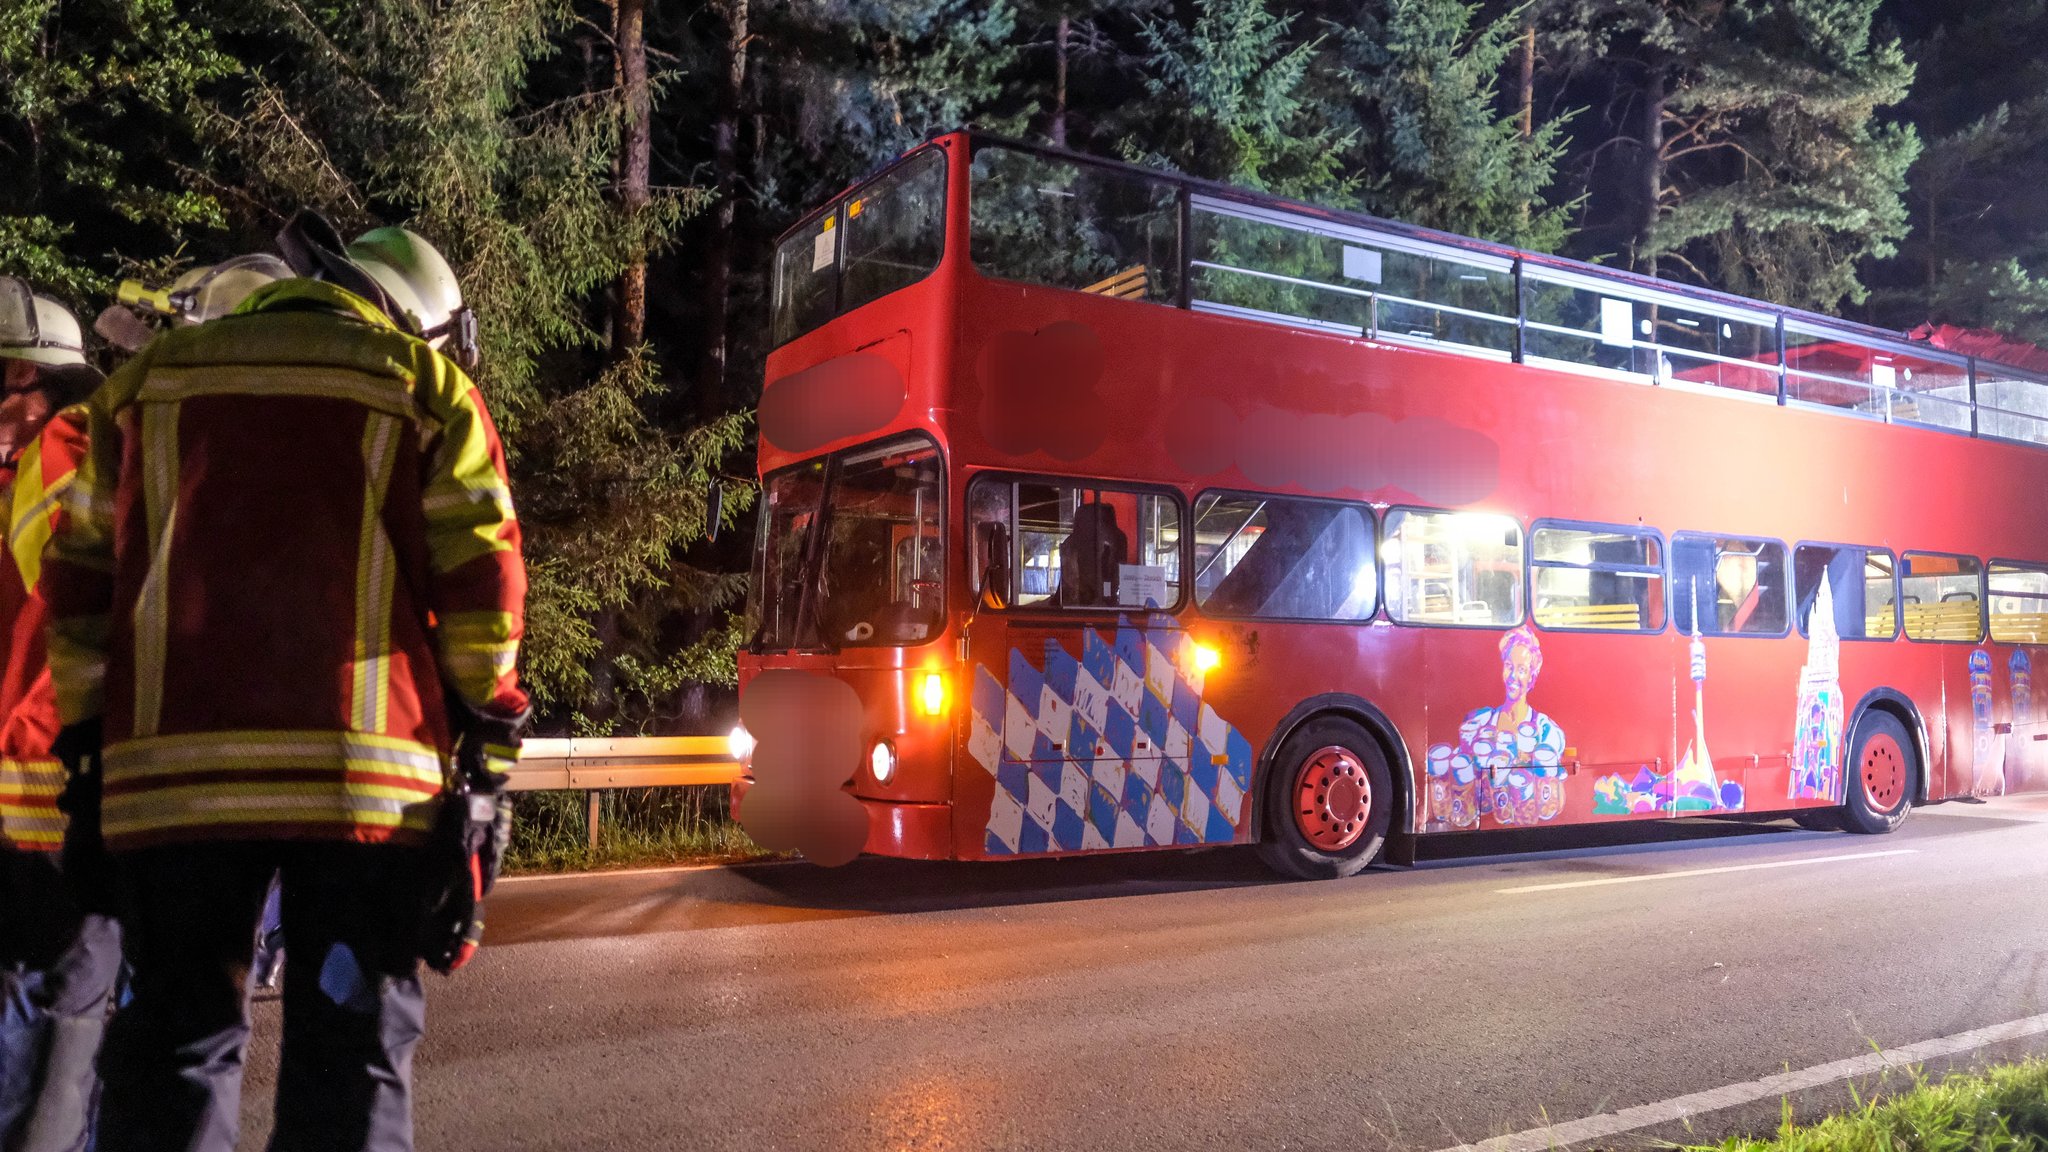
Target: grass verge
{"x":2002,"y":1109}
{"x":637,"y":827}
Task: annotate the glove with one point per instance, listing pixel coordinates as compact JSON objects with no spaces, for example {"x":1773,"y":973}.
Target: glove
{"x":467,"y":845}
{"x":487,"y":747}
{"x":88,"y":869}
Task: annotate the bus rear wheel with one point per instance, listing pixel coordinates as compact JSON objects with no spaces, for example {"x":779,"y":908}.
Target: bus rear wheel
{"x":1881,"y":773}
{"x":1329,"y":801}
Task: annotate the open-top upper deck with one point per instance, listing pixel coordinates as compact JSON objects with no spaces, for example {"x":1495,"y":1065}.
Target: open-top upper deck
{"x":1046,"y":216}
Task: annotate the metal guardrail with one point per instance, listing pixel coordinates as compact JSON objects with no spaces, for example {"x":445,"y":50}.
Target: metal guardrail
{"x":594,"y":765}
{"x":624,"y":762}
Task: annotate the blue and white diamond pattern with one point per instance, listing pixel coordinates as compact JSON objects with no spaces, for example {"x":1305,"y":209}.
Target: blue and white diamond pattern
{"x":1115,"y":749}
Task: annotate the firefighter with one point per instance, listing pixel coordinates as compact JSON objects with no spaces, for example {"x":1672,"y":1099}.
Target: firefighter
{"x":58,"y":961}
{"x":289,"y":594}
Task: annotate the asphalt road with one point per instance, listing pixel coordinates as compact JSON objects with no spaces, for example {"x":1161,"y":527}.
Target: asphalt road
{"x":1190,"y":1001}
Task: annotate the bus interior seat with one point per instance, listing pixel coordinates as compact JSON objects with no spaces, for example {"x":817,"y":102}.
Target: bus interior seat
{"x":1129,"y":284}
{"x":1743,"y":611}
{"x":1090,"y":561}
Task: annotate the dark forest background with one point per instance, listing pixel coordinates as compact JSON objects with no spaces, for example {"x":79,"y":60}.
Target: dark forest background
{"x":609,"y":178}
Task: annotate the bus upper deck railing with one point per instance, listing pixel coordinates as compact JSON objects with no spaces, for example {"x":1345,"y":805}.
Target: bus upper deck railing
{"x":1239,"y":253}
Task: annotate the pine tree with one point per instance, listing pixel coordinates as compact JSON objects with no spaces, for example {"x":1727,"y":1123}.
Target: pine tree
{"x":1978,"y":253}
{"x":1232,"y":97}
{"x":1421,"y":79}
{"x":427,"y":112}
{"x":97,"y":101}
{"x":1068,"y":48}
{"x":1759,"y":162}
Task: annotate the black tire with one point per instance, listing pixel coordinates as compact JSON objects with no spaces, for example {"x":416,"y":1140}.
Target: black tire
{"x":1819,"y":819}
{"x":1348,"y":772}
{"x":1879,"y":776}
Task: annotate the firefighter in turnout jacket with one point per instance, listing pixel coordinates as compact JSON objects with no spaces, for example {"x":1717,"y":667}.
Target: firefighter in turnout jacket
{"x":58,"y":962}
{"x":288,"y":595}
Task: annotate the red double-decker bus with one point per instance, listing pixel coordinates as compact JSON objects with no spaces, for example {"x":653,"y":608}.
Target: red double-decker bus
{"x":1122,"y":510}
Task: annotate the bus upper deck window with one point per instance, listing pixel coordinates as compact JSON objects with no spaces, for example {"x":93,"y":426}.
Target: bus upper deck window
{"x":1045,"y":220}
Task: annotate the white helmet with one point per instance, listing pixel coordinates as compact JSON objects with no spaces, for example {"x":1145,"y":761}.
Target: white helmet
{"x":422,"y":288}
{"x":36,"y":327}
{"x":394,"y":269}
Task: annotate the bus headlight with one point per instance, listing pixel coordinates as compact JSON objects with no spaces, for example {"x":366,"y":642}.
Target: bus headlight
{"x":740,"y":743}
{"x":931,"y":694}
{"x":882,"y":762}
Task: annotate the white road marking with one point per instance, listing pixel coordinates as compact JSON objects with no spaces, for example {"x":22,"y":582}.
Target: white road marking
{"x":1785,"y":1083}
{"x":1606,"y":880}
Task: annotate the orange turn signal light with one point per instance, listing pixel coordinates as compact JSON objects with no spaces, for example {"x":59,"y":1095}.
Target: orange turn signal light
{"x":931,"y":694}
{"x":1207,"y":658}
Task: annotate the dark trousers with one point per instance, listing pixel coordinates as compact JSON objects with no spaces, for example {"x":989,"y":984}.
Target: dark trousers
{"x":353,"y":1006}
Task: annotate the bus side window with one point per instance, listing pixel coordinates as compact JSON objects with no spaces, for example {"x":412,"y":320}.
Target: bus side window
{"x":1730,"y":585}
{"x":1598,"y":578}
{"x":1944,"y":596}
{"x":1858,"y":582}
{"x":1078,"y":546}
{"x":1462,"y":568}
{"x":2019,"y":602}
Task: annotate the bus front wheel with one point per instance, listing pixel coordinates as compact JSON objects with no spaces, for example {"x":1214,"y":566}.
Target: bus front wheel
{"x":1329,"y":800}
{"x":1881,"y":773}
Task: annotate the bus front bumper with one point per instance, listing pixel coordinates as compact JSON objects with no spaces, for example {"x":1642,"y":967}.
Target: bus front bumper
{"x":900,"y":829}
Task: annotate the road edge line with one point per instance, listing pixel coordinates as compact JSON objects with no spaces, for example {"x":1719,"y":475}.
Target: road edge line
{"x":1560,"y":885}
{"x":1783,"y":1084}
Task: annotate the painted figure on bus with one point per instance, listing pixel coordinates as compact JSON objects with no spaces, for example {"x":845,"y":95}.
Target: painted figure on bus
{"x":1987,"y":764}
{"x":1817,"y":734}
{"x":1509,"y":759}
{"x":2018,"y":771}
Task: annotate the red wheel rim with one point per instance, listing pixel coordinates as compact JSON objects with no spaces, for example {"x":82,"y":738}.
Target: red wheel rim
{"x":1883,"y":772}
{"x":1332,"y":799}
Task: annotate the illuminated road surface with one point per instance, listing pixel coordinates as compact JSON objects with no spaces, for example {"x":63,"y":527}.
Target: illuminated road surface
{"x":1192,"y":1002}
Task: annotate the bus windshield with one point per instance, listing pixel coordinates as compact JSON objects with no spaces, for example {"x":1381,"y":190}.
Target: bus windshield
{"x":849,"y":551}
{"x":887,"y":234}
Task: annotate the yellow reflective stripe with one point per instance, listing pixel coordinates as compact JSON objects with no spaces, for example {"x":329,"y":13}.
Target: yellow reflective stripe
{"x":495,"y":495}
{"x":31,"y":776}
{"x":459,"y":531}
{"x":31,"y":512}
{"x":477,"y":650}
{"x":152,"y":604}
{"x":199,"y":752}
{"x":376,"y":578}
{"x":388,"y":394}
{"x":28,"y":803}
{"x":166,"y":811}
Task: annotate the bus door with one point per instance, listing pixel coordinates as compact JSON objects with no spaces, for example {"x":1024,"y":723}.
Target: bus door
{"x":1076,"y":697}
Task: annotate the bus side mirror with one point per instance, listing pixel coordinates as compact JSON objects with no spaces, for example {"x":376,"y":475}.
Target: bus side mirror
{"x":714,"y":511}
{"x":994,"y":541}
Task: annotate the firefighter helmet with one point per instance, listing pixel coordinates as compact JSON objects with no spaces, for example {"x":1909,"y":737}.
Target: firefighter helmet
{"x":208,"y":292}
{"x":422,"y":289}
{"x":37,"y":328}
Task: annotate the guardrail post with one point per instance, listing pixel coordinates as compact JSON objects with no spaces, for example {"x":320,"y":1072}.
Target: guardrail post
{"x":595,"y":797}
